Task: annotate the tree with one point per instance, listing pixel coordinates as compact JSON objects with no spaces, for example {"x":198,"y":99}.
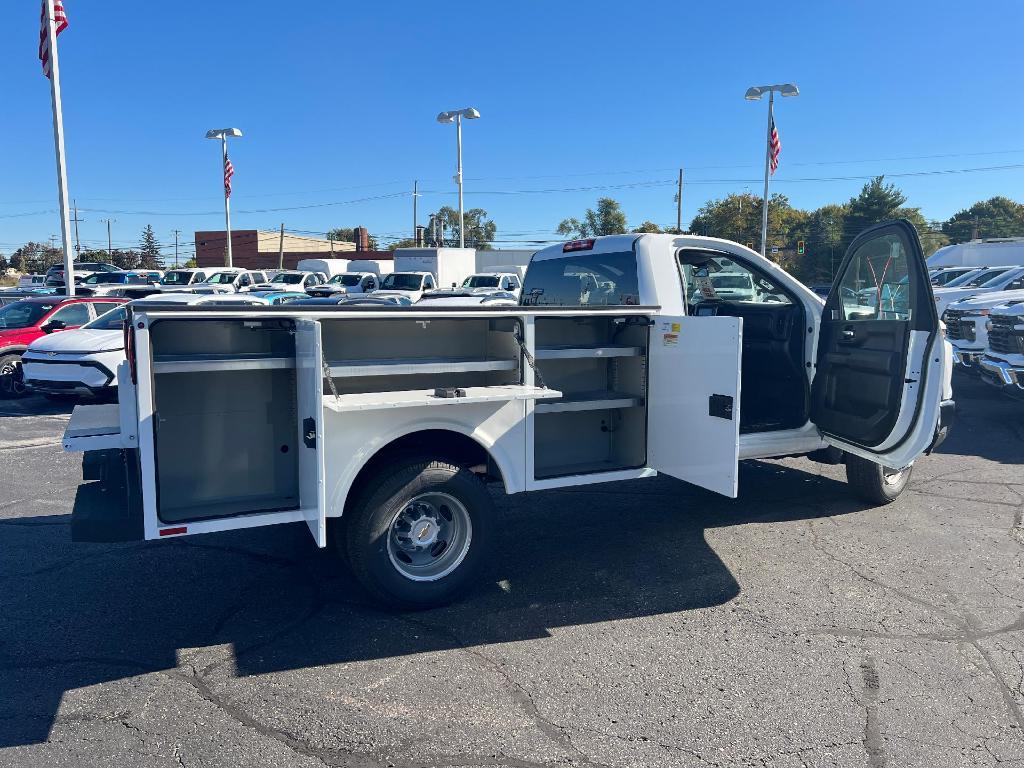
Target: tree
{"x":443,"y":230}
{"x":405,"y":243}
{"x":191,"y":263}
{"x":876,"y":202}
{"x":35,"y":257}
{"x":348,"y":235}
{"x":149,"y":250}
{"x":995,"y":217}
{"x":608,"y":219}
{"x":3,"y":265}
{"x":648,"y":226}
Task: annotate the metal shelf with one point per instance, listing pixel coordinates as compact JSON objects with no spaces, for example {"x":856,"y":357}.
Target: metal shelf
{"x":569,"y":351}
{"x":202,"y":363}
{"x":599,"y":400}
{"x":413,"y":366}
{"x":364,"y":401}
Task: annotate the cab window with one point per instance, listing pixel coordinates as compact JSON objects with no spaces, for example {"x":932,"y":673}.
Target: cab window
{"x":875,"y":285}
{"x":583,"y":280}
{"x":719,"y":278}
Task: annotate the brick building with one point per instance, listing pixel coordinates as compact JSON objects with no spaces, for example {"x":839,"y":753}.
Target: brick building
{"x":258,"y":249}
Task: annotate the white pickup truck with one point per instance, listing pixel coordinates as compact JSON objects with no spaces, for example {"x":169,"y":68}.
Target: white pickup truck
{"x":1002,"y":364}
{"x":379,"y":427}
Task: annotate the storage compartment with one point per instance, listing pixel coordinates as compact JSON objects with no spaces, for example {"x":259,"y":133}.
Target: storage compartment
{"x":600,"y":422}
{"x":225,"y":418}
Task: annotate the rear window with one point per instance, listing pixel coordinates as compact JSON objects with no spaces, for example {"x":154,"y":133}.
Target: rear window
{"x":583,"y":280}
{"x":481,"y":281}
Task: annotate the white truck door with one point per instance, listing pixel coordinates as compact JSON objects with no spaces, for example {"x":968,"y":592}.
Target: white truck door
{"x":309,"y":382}
{"x":694,"y":400}
{"x":880,"y":364}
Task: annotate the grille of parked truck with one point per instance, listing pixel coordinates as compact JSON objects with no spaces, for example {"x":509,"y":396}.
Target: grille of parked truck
{"x":621,"y":362}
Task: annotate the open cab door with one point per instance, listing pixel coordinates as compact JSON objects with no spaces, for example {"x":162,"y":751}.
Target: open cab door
{"x":694,"y":405}
{"x":877,"y":386}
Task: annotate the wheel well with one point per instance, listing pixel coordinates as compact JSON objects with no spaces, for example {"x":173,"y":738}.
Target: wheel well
{"x":441,"y":444}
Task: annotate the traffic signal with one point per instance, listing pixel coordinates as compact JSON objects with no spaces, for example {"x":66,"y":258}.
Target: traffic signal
{"x":800,"y":247}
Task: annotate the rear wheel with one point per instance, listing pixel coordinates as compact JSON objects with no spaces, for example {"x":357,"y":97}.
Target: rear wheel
{"x":421,"y":534}
{"x":12,"y":380}
{"x":875,"y":483}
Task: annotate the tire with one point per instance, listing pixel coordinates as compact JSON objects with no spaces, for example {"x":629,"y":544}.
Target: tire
{"x":421,"y":534}
{"x":873,"y":482}
{"x":12,"y":382}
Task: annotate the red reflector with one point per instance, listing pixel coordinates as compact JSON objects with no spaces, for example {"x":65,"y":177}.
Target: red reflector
{"x":578,"y":245}
{"x":174,"y":531}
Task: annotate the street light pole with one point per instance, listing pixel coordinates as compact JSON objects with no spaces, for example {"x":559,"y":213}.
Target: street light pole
{"x":754,"y":94}
{"x":223,"y":134}
{"x":455,"y":116}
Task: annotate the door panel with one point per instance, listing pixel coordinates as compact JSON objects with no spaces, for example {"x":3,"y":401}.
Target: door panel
{"x":694,"y":405}
{"x":310,"y":419}
{"x":877,"y":332}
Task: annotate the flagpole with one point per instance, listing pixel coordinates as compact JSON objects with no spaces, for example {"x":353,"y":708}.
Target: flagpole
{"x":58,"y":142}
{"x":227,"y":197}
{"x":767,"y":170}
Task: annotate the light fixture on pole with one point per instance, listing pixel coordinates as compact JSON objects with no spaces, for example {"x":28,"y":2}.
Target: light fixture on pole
{"x":455,"y":116}
{"x":754,"y":94}
{"x":223,"y":134}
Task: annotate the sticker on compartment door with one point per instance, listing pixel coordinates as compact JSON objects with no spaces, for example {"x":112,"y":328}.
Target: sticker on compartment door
{"x":669,"y":339}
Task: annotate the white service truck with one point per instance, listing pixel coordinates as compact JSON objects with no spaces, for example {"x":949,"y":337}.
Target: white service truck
{"x":449,"y":266}
{"x":1002,"y":364}
{"x":379,"y":428}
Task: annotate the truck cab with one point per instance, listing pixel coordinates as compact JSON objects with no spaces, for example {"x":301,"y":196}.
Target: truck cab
{"x":408,"y":284}
{"x":394,"y":419}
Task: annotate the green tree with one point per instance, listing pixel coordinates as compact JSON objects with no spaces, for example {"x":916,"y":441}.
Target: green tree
{"x":35,"y":257}
{"x":995,"y":217}
{"x":407,"y":242}
{"x":3,"y":265}
{"x":348,"y":235}
{"x":876,"y":202}
{"x":149,"y":250}
{"x":443,"y":230}
{"x":608,"y":219}
{"x":191,"y":263}
{"x":648,"y":226}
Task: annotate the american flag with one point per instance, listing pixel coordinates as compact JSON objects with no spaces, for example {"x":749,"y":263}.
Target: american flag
{"x":229,"y":171}
{"x":60,"y":21}
{"x":774,"y":147}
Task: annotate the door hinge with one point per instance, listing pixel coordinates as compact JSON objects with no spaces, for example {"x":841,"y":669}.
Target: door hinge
{"x":309,"y":432}
{"x":720,"y":406}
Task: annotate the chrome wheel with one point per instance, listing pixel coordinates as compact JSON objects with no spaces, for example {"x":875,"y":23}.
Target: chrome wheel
{"x":429,"y":537}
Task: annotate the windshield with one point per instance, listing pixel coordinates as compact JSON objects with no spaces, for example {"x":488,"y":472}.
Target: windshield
{"x":106,"y":277}
{"x":401,"y":281}
{"x":730,"y":281}
{"x":22,"y":314}
{"x":348,"y":280}
{"x":176,"y":278}
{"x":586,"y":279}
{"x":289,"y":278}
{"x":109,"y":321}
{"x":222,"y":278}
{"x":984,"y":278}
{"x":481,"y":281}
{"x":958,"y":281}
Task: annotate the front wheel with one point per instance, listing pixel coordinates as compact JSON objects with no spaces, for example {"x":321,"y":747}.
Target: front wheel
{"x":421,"y":534}
{"x":875,"y":483}
{"x":12,"y":379}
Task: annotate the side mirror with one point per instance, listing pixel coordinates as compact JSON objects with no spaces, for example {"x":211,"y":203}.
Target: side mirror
{"x":53,"y":325}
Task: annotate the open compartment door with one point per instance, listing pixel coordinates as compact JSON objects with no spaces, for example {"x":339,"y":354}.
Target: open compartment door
{"x":878,"y":382}
{"x":694,"y":403}
{"x":310,"y":423}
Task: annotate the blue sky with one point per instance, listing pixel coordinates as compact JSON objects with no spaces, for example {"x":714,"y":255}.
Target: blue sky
{"x":338,"y":100}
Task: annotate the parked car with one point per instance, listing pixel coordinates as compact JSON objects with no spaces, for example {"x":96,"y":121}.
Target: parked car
{"x":182,"y":279}
{"x":941,"y":276}
{"x":231,"y":280}
{"x":490,"y":281}
{"x":278,"y":297}
{"x":105,"y":283}
{"x":1002,"y":364}
{"x":13,"y":295}
{"x":32,"y":281}
{"x":967,"y":325}
{"x":291,"y":280}
{"x":349,"y":301}
{"x":25,"y":321}
{"x":84,"y":361}
{"x":989,"y":281}
{"x":458,"y":297}
{"x":408,"y":284}
{"x":349,"y":283}
{"x":55,"y":274}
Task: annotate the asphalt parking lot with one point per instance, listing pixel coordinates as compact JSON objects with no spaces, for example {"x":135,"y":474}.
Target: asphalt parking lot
{"x":642,"y":624}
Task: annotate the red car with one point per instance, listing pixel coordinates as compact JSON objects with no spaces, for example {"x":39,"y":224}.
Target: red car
{"x":24,"y":321}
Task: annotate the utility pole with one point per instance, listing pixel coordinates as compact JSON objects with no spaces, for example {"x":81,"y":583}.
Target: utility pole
{"x":176,"y":233}
{"x":280,"y":249}
{"x":331,"y":238}
{"x":415,"y":220}
{"x":679,"y":204}
{"x":974,"y":229}
{"x":78,"y":243}
{"x":110,"y":247}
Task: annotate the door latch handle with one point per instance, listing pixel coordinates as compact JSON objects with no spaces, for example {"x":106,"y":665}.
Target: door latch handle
{"x":847,"y":334}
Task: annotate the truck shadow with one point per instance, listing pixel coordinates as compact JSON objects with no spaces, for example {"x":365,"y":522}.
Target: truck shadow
{"x":84,"y":615}
{"x":988,"y":425}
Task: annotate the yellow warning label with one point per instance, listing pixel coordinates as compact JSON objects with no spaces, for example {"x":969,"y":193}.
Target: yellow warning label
{"x":675,"y":327}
